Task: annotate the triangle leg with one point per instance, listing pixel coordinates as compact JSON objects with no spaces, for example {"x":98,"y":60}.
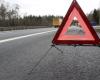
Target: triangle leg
{"x":53,"y":45}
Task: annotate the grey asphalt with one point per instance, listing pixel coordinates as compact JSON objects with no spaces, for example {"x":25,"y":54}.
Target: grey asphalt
{"x":32,"y":58}
{"x":17,"y":33}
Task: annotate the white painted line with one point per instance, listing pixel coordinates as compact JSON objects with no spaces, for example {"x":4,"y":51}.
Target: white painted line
{"x":20,"y":37}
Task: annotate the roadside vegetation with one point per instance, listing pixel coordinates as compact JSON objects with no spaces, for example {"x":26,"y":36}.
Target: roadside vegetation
{"x":94,"y":16}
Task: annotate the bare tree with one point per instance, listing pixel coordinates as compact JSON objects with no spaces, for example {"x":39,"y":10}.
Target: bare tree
{"x":3,"y":12}
{"x":13,"y":13}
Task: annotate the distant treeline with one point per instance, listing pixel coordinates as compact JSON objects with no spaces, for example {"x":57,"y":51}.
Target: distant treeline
{"x":29,"y":21}
{"x":34,"y":21}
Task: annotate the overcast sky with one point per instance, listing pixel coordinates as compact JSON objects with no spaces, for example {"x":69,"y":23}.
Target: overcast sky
{"x":52,"y":7}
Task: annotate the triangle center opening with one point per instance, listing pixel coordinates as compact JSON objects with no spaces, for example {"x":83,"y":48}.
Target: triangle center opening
{"x":75,"y":28}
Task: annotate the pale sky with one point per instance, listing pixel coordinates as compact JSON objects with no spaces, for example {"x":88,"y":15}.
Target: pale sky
{"x":52,"y":7}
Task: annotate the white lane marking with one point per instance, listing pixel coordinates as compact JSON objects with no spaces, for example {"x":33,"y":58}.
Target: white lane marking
{"x":20,"y":37}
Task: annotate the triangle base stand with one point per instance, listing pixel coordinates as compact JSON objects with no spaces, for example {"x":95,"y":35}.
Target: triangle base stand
{"x":74,"y":45}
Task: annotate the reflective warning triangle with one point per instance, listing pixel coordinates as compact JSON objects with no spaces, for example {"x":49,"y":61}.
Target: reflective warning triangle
{"x":90,"y":36}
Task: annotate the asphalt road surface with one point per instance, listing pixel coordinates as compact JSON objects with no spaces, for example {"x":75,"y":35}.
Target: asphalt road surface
{"x":27,"y":55}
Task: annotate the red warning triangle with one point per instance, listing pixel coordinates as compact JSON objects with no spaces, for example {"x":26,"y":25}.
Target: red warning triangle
{"x":90,"y":36}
